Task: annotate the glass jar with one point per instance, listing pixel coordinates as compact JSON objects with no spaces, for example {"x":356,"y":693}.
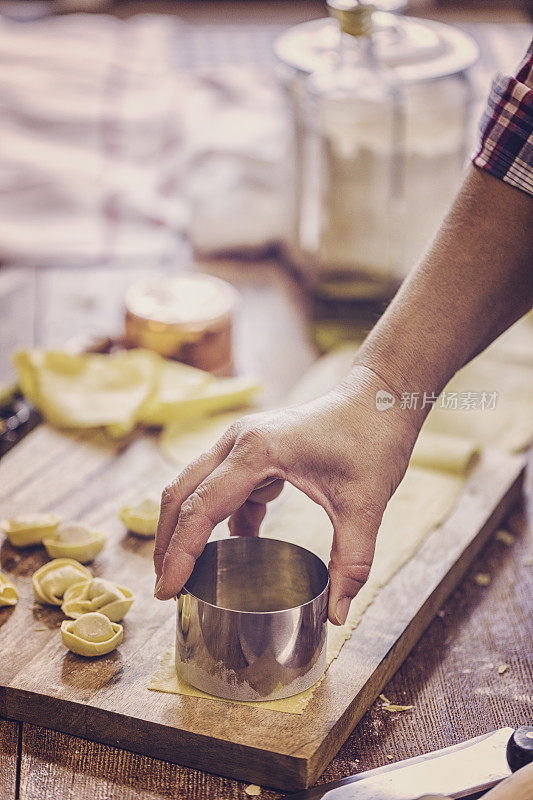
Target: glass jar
{"x":351,"y":166}
{"x":380,"y":107}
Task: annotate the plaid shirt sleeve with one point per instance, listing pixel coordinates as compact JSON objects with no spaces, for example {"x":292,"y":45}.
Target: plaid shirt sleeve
{"x":506,"y":148}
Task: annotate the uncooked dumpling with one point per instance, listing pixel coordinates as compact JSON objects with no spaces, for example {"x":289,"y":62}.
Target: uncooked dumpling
{"x":75,"y":540}
{"x":97,"y":595}
{"x":30,"y":529}
{"x":91,"y":634}
{"x":8,"y":592}
{"x":51,"y":581}
{"x":141,"y":518}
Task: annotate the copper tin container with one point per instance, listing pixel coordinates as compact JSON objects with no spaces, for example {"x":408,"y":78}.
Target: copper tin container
{"x":251,"y":620}
{"x":188,"y":317}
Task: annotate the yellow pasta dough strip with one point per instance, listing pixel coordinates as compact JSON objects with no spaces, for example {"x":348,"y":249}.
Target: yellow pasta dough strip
{"x":423,"y":500}
{"x":444,"y":452}
{"x":89,"y":390}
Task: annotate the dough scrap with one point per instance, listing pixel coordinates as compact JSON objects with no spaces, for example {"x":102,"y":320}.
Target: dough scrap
{"x":91,"y":634}
{"x":184,"y":392}
{"x":89,"y":390}
{"x":29,"y":529}
{"x":51,"y":581}
{"x":8,"y":591}
{"x":166,"y":679}
{"x":100,"y":595}
{"x":76,"y":541}
{"x":141,"y":518}
{"x":118,"y":390}
{"x":444,"y":452}
{"x":184,"y":440}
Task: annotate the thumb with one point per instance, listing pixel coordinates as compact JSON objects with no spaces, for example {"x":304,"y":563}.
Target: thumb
{"x":352,"y":553}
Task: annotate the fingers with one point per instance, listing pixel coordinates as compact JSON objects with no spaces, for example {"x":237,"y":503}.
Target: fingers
{"x":247,"y":520}
{"x":178,"y":491}
{"x":215,"y":499}
{"x":354,"y":542}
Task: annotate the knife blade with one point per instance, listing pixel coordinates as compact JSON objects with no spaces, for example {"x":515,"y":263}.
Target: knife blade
{"x":457,"y":771}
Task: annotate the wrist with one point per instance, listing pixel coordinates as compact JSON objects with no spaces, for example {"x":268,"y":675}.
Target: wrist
{"x":414,"y":383}
{"x":385,"y":400}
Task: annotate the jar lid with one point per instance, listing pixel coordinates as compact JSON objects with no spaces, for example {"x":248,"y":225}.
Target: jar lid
{"x":416,"y":49}
{"x":354,"y":18}
{"x":189,"y":300}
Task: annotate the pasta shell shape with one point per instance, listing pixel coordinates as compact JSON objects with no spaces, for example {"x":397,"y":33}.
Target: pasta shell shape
{"x":8,"y":591}
{"x":75,"y":540}
{"x":28,"y":529}
{"x":107,"y":598}
{"x":51,"y":581}
{"x":91,"y":634}
{"x":141,"y":518}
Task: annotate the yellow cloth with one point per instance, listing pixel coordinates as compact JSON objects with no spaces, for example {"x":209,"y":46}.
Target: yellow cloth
{"x":123,"y":389}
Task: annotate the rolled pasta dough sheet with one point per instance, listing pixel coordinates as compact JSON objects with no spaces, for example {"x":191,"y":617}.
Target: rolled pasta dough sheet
{"x":421,"y":502}
{"x":446,"y":448}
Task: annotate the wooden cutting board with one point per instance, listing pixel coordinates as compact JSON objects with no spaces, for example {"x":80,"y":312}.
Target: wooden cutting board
{"x":107,"y":700}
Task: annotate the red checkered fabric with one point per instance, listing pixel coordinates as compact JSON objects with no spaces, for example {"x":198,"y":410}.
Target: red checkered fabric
{"x":506,"y":149}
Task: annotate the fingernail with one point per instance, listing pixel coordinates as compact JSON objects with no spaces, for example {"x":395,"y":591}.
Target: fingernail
{"x":341,"y":611}
{"x":157,"y":586}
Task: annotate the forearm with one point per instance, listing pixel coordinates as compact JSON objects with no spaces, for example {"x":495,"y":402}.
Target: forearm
{"x":474,"y":282}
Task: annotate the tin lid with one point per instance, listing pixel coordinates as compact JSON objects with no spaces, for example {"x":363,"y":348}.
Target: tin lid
{"x":190,"y":300}
{"x":416,"y":49}
{"x":353,"y":17}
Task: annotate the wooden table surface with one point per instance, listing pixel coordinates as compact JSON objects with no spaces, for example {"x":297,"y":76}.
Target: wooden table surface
{"x":451,"y":677}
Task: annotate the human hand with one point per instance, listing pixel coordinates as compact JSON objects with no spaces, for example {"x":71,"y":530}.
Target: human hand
{"x":338,"y":449}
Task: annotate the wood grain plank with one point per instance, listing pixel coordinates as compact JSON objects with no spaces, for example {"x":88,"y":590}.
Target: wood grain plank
{"x":17,"y":315}
{"x":9,"y":744}
{"x":109,"y":701}
{"x":450,"y":676}
{"x":101,"y":701}
{"x":57,"y":765}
